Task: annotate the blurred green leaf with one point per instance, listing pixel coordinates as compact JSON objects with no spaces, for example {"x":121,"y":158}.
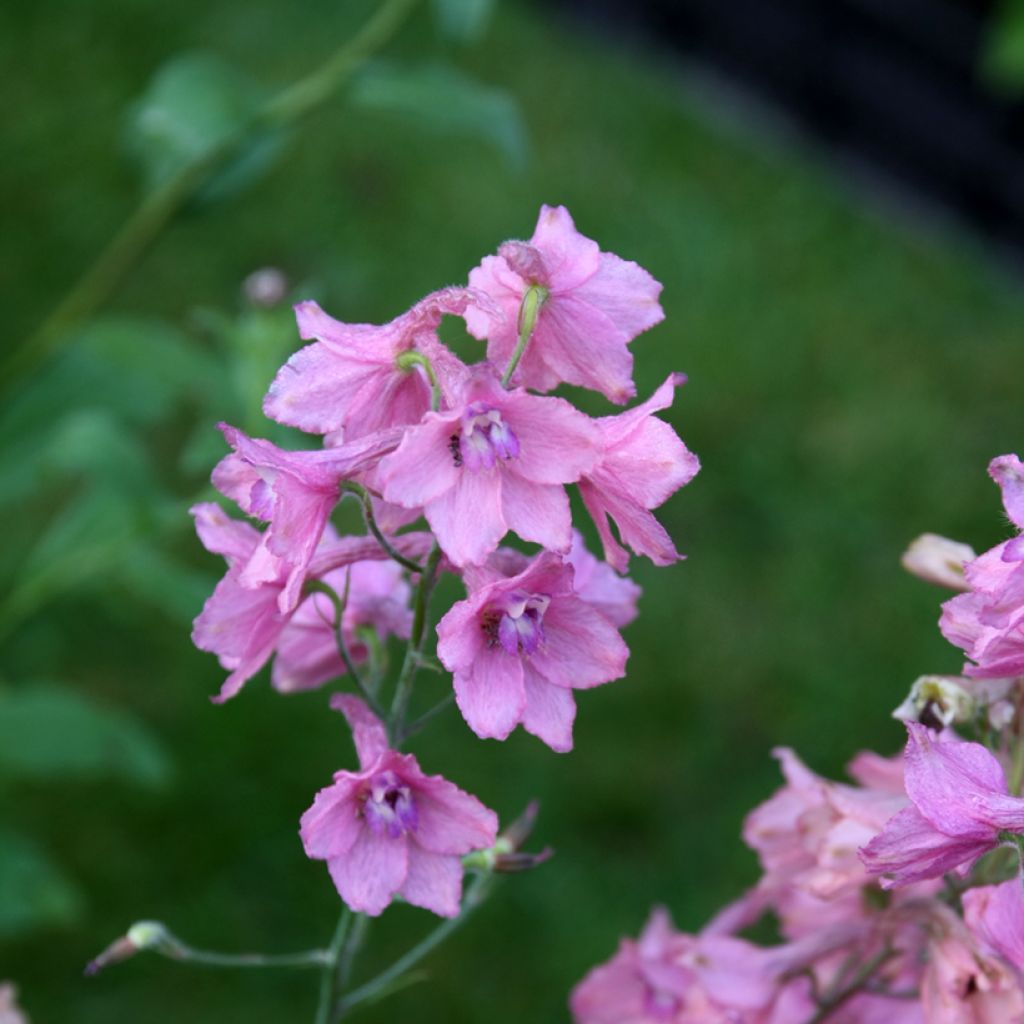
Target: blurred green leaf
{"x":34,"y":892}
{"x":131,"y":368}
{"x":177,"y":590}
{"x":441,"y":99}
{"x":465,"y":21}
{"x":50,"y":731}
{"x":1002,"y":60}
{"x":195,"y":103}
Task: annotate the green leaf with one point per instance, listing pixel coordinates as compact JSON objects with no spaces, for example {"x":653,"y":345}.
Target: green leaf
{"x":441,"y":99}
{"x":34,"y":892}
{"x":464,"y":21}
{"x":50,"y":731}
{"x":177,"y":590}
{"x":195,"y":104}
{"x":1002,"y":60}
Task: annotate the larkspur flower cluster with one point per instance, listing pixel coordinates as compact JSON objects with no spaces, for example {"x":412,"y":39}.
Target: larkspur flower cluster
{"x":478,"y":452}
{"x":899,"y":900}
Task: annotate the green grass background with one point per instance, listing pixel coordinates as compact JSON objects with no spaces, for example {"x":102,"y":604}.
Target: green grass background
{"x":851,"y":374}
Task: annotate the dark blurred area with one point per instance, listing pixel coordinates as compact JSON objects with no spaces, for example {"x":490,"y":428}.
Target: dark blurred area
{"x":925,"y":93}
{"x":853,"y":358}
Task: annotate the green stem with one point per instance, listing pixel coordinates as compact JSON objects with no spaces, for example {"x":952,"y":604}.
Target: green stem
{"x":529,"y":310}
{"x":413,"y":652}
{"x":407,"y":360}
{"x":319,"y":587}
{"x":158,"y":209}
{"x":329,"y":977}
{"x":476,"y":893}
{"x":351,"y":487}
{"x":415,"y":726}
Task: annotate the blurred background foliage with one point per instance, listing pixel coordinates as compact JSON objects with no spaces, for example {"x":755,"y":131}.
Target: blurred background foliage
{"x":851,"y":373}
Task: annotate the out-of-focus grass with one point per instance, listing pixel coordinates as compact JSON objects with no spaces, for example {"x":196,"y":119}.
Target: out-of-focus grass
{"x":850,"y":378}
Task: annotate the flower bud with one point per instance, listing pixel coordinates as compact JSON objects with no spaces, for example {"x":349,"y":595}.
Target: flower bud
{"x":142,"y":935}
{"x":937,"y":701}
{"x":265,"y":287}
{"x":938,"y":560}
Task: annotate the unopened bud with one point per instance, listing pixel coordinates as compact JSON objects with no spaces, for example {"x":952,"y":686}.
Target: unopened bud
{"x":265,"y":287}
{"x":505,"y":857}
{"x":141,"y":936}
{"x":533,"y":298}
{"x":937,"y":701}
{"x":938,"y":560}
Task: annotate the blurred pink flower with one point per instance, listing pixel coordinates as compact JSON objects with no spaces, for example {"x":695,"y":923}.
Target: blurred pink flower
{"x":988,"y":621}
{"x":390,"y":830}
{"x":594,"y":305}
{"x":496,"y":461}
{"x":960,"y":805}
{"x":995,"y":916}
{"x":666,"y":976}
{"x":519,"y":645}
{"x":642,"y":463}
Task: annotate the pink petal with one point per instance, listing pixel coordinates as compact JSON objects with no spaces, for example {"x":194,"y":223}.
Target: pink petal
{"x":490,"y":694}
{"x":434,"y":882}
{"x":368,"y":732}
{"x":625,"y":293}
{"x":331,"y":826}
{"x":450,"y":820}
{"x":995,"y":913}
{"x":536,"y":512}
{"x":557,"y":443}
{"x":549,"y":712}
{"x":222,"y":535}
{"x":569,"y":257}
{"x":459,"y":636}
{"x":1008,"y":472}
{"x":467,"y":519}
{"x":911,"y":849}
{"x":422,"y":468}
{"x":372,"y":871}
{"x":581,"y":647}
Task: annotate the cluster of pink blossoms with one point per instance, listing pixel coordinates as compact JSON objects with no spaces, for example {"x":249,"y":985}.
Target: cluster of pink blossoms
{"x":899,"y":900}
{"x":479,"y":452}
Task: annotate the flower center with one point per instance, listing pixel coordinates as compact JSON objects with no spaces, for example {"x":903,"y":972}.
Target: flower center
{"x":389,"y":806}
{"x":519,"y":626}
{"x":485,"y":438}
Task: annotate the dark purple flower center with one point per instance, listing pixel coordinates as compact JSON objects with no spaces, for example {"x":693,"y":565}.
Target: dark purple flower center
{"x":518,"y":624}
{"x":389,"y":807}
{"x":485,"y":438}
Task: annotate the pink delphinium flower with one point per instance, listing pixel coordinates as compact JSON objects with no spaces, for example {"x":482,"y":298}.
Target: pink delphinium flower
{"x":666,"y":976}
{"x":349,"y":379}
{"x":988,"y":621}
{"x":243,"y":625}
{"x":995,"y":916}
{"x":496,"y":461}
{"x":295,"y":492}
{"x":807,"y":836}
{"x":517,"y":648}
{"x":960,"y":805}
{"x":594,"y":305}
{"x":307,"y":651}
{"x":390,"y":830}
{"x":642,"y":463}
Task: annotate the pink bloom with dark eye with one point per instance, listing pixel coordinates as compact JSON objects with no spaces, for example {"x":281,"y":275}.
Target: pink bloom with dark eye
{"x":496,"y":461}
{"x":988,"y":621}
{"x":960,"y":806}
{"x":642,"y":463}
{"x":594,"y":305}
{"x":389,"y":830}
{"x":295,"y":492}
{"x":518,"y":646}
{"x":307,"y":651}
{"x":666,"y":976}
{"x":349,"y":379}
{"x":243,"y":625}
